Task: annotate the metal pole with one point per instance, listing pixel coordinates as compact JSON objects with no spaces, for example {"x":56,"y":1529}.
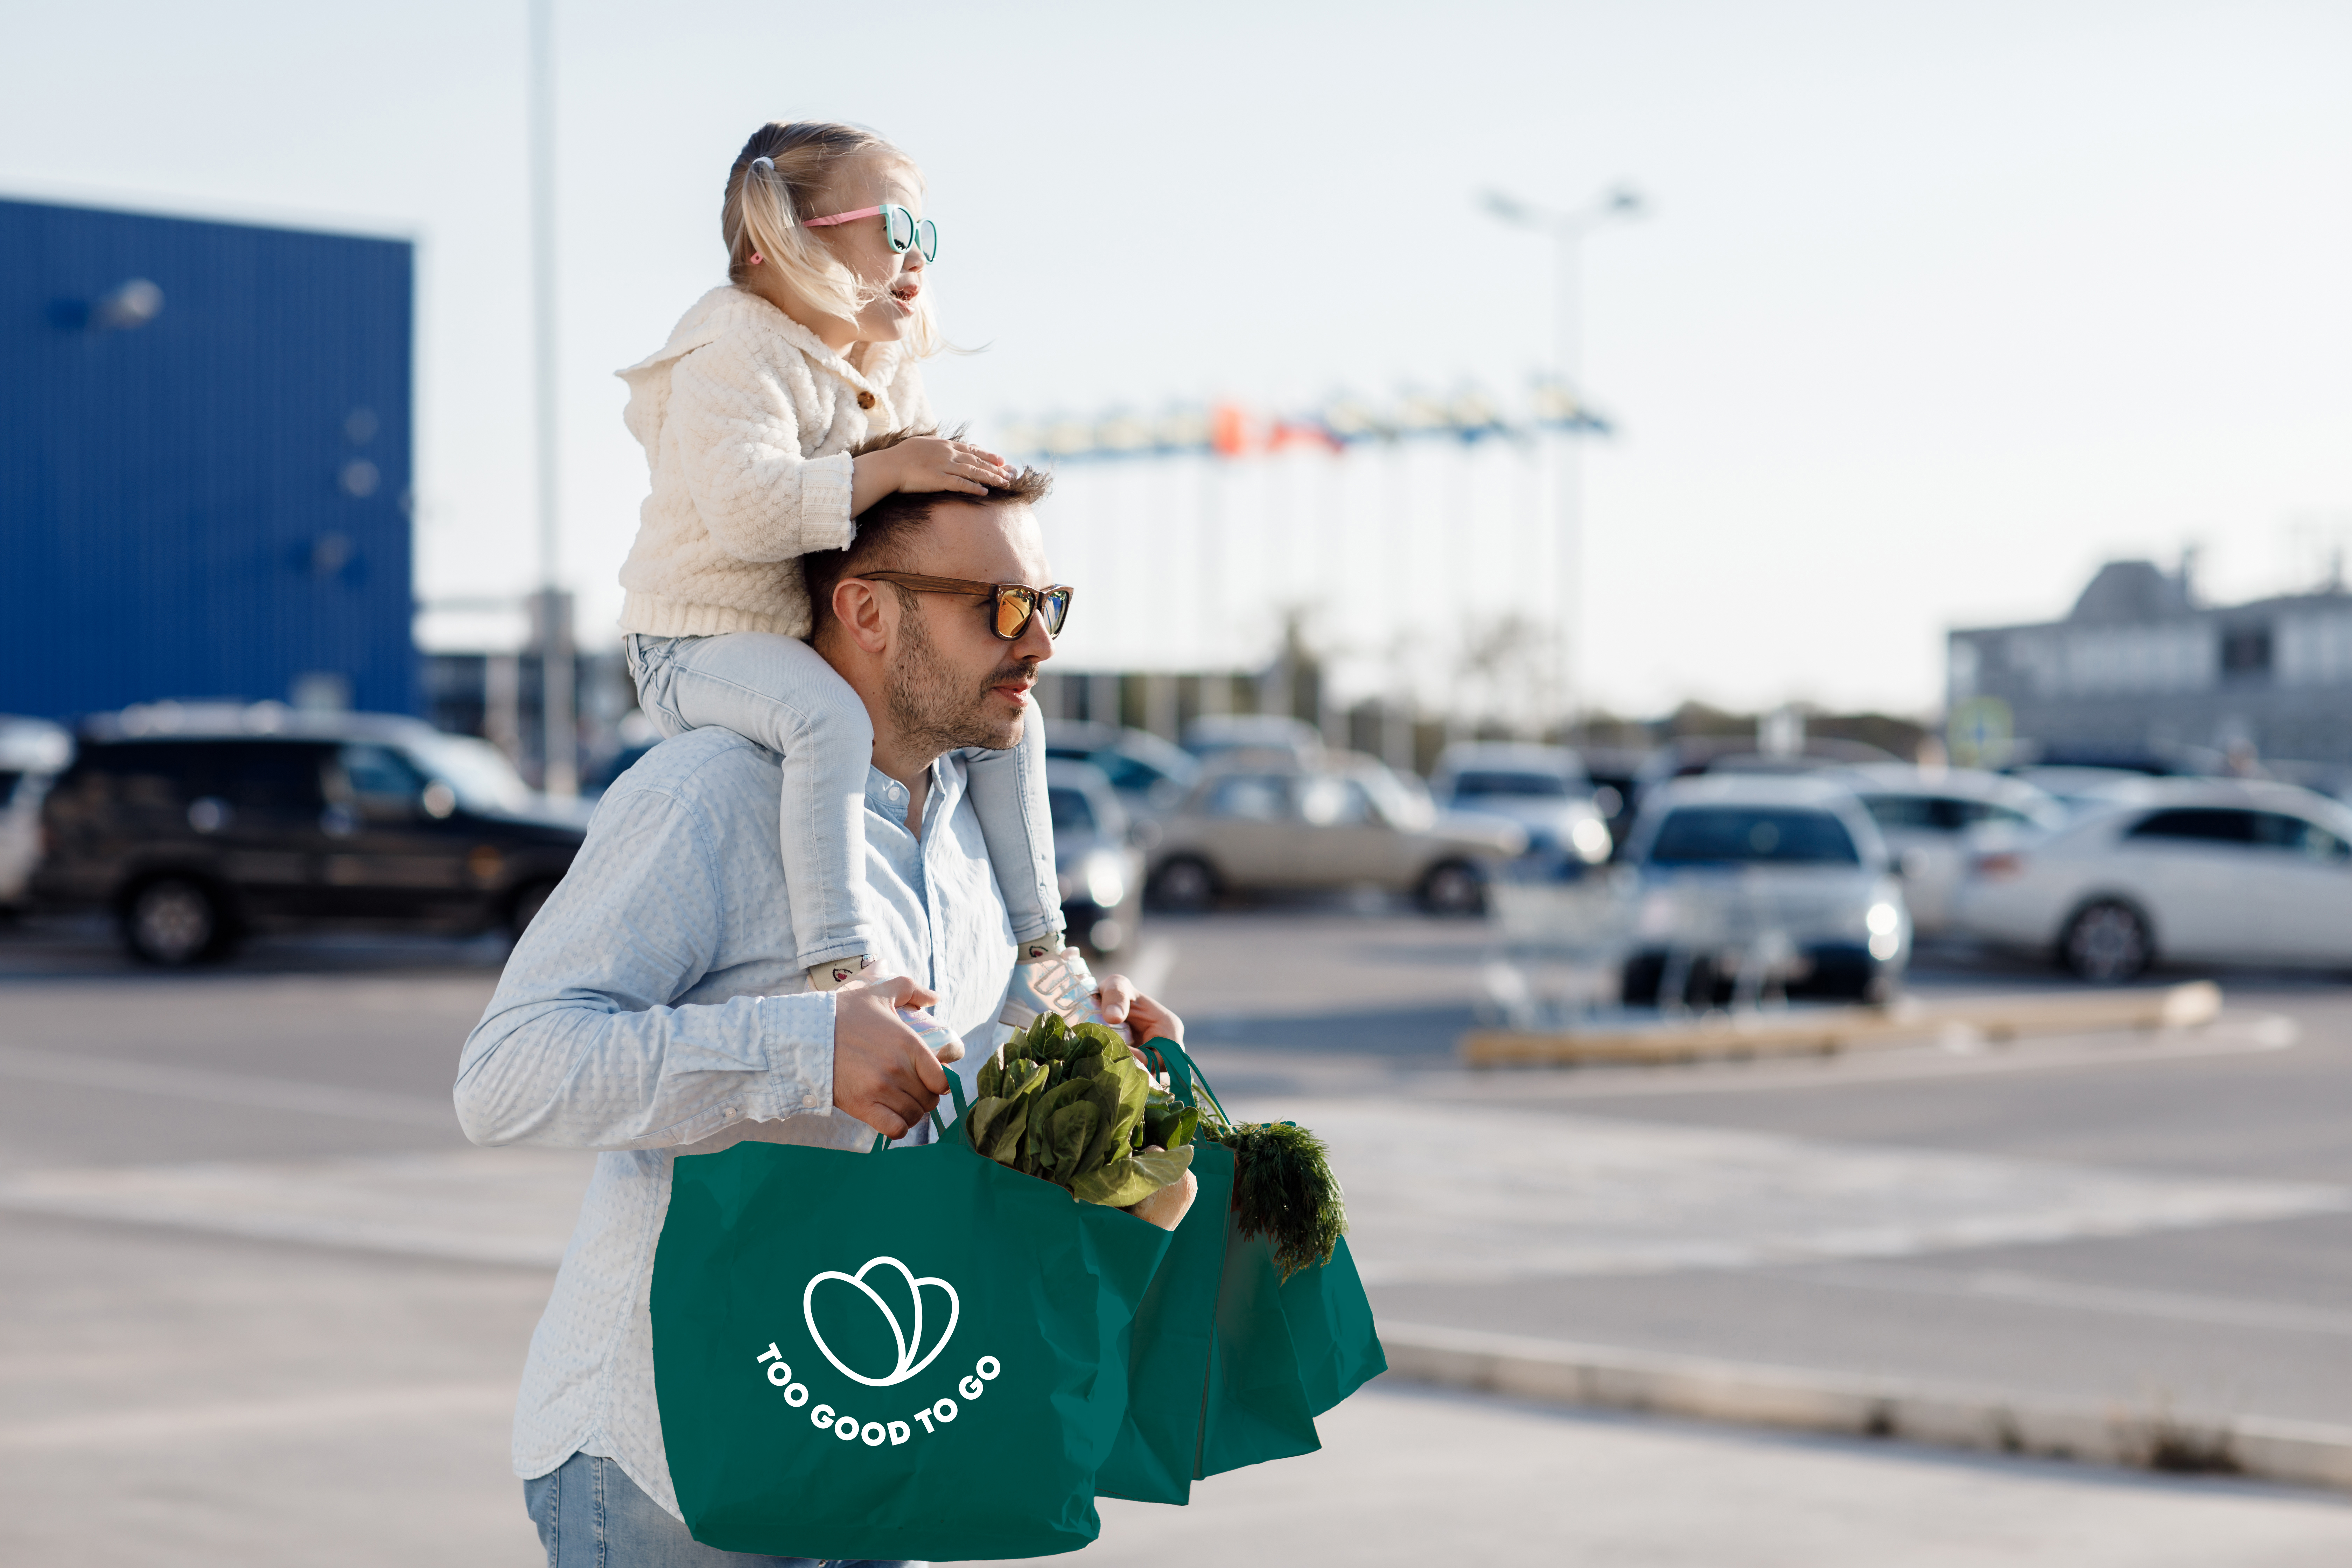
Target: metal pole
{"x":1568,"y":230}
{"x":1568,"y":256}
{"x":561,"y":772}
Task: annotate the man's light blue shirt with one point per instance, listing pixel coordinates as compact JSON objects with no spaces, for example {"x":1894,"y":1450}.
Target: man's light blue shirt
{"x":655,"y":1003}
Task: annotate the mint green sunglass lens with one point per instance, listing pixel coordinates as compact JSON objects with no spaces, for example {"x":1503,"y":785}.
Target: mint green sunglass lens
{"x":908,"y":233}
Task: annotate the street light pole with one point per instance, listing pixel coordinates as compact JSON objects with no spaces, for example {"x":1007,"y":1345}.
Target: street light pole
{"x":1567,"y":230}
{"x":553,"y":620}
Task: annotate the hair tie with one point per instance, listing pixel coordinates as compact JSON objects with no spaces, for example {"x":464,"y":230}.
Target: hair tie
{"x":769,"y":165}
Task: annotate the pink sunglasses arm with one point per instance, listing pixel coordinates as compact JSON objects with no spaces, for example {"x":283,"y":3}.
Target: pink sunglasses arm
{"x":840,"y":218}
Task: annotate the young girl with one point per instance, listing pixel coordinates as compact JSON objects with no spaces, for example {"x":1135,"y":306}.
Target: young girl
{"x":747,"y":416}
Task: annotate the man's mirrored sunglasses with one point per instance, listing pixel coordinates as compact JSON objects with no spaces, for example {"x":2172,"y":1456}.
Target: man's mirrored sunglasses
{"x":1011,"y":606}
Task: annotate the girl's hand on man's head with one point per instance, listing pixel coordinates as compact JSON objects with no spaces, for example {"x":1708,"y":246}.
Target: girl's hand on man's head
{"x":929,"y":463}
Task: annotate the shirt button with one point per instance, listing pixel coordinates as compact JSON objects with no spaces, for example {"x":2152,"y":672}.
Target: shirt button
{"x":808,"y":1099}
{"x":865,"y":400}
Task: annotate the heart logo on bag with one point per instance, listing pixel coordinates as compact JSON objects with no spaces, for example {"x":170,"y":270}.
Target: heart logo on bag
{"x":912,"y":1356}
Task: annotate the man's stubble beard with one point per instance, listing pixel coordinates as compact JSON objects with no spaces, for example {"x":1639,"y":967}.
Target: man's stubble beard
{"x":931,"y":712}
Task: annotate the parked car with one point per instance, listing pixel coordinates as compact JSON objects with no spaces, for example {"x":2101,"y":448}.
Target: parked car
{"x":1542,"y":790}
{"x":1094,"y":856}
{"x":195,"y":835}
{"x":1935,"y":820}
{"x":1151,"y":775}
{"x":32,"y":752}
{"x":1349,"y":823}
{"x":1266,"y":737}
{"x":2075,"y":786}
{"x":1776,"y":881}
{"x":2203,"y":871}
{"x":1615,"y":772}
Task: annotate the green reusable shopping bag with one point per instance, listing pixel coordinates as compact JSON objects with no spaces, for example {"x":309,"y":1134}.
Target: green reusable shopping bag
{"x":1229,"y":1363}
{"x":913,"y":1353}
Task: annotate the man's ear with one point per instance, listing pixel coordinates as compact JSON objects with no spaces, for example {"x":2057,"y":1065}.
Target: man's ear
{"x":857,"y":605}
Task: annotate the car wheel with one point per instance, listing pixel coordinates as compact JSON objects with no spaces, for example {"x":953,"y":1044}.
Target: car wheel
{"x":1453,"y":887}
{"x":2107,"y":944}
{"x":1186,"y":885}
{"x":173,"y":921}
{"x":526,"y":905}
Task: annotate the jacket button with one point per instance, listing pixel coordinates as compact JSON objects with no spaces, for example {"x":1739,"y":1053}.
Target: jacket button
{"x":865,"y":400}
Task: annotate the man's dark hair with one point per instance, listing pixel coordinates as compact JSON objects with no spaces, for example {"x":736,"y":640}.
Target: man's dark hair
{"x":883,"y":528}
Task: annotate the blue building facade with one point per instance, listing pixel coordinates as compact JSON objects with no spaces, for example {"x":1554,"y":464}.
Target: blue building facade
{"x":204,"y":455}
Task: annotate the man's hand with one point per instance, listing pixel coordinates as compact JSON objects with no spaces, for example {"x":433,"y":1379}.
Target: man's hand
{"x":882,"y":1075}
{"x":1145,"y":1019}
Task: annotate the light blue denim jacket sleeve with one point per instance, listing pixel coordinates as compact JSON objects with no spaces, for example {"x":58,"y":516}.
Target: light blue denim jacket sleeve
{"x":587,"y":1044}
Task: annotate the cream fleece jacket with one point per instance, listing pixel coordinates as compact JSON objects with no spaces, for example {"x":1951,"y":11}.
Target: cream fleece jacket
{"x":747,"y":420}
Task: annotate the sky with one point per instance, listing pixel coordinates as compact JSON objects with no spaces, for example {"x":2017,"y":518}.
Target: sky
{"x":1937,"y":306}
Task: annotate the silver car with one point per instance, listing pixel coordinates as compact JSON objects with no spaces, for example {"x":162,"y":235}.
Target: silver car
{"x":1349,"y":822}
{"x":1096,"y":861}
{"x":1542,"y":790}
{"x":1755,"y":884}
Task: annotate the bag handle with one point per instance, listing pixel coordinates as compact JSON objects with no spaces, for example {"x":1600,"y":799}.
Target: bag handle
{"x":955,"y":1088}
{"x":1157,"y":1059}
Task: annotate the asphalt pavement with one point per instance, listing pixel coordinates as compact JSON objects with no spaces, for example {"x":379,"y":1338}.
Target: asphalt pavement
{"x":265,"y":1305}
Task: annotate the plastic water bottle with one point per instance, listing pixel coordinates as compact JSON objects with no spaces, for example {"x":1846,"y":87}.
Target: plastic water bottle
{"x":935,"y":1036}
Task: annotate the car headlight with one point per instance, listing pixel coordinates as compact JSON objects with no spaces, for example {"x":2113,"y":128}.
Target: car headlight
{"x":1098,"y":877}
{"x":1591,"y":838}
{"x":1885,"y":922}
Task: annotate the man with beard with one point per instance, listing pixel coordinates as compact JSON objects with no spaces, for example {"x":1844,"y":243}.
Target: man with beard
{"x":656,"y":1006}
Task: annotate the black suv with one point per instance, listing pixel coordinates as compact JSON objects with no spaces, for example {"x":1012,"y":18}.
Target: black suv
{"x":194,"y":833}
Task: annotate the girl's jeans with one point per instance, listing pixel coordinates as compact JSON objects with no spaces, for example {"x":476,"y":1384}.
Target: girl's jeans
{"x":591,"y":1515}
{"x":779,"y":692}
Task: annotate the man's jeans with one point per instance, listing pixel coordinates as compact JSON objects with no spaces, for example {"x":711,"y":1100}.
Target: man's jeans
{"x":591,"y":1515}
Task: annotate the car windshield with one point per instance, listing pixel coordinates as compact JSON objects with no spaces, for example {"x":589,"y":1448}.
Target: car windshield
{"x":1072,"y":811}
{"x":1404,"y":802}
{"x":1468,"y":786}
{"x":1732,"y":835}
{"x":478,"y":771}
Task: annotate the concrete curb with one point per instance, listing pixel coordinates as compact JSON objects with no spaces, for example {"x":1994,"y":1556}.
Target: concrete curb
{"x":1816,"y":1031}
{"x":2298,"y":1453}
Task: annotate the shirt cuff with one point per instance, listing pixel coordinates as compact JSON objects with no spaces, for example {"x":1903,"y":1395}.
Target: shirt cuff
{"x":797,"y":1033}
{"x":828,"y":486}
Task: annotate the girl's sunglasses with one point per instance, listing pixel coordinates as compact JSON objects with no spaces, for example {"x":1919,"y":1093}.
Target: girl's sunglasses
{"x":1011,"y":606}
{"x":906,"y":230}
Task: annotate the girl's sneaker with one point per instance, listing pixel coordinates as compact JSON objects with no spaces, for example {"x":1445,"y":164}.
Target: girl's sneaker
{"x":1050,"y":977}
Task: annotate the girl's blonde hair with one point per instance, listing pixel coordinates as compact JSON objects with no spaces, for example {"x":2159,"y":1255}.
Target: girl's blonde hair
{"x":779,"y":180}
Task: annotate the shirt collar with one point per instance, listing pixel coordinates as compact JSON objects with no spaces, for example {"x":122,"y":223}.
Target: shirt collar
{"x":886,"y":797}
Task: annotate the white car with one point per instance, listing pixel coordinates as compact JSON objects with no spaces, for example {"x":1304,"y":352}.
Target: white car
{"x":2202,"y":871}
{"x":1542,"y":790}
{"x":32,"y":752}
{"x":1751,"y":881}
{"x":1935,"y":820}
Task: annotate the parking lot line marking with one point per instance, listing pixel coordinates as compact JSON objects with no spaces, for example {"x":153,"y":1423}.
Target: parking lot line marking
{"x":129,"y":1428}
{"x":2032,"y":1290}
{"x":228,"y":1089}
